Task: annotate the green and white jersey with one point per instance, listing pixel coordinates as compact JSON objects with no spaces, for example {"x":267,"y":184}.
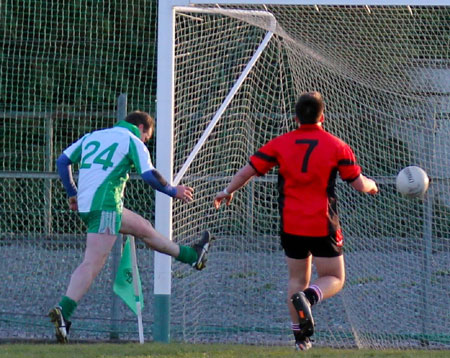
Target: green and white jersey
{"x":106,"y":158}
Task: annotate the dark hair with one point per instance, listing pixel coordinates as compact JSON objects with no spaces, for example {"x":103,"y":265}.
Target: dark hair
{"x":309,"y":107}
{"x":138,"y":117}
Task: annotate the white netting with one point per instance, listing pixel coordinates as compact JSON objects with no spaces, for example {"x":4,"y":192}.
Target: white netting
{"x":384,"y":73}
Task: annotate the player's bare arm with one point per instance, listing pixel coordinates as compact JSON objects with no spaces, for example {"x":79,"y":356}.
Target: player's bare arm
{"x":240,"y":179}
{"x":365,"y":185}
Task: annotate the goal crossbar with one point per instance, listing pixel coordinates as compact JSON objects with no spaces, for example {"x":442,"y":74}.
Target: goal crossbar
{"x":323,"y":2}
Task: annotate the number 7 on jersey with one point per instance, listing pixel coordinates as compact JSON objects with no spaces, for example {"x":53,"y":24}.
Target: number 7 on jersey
{"x":312,"y":143}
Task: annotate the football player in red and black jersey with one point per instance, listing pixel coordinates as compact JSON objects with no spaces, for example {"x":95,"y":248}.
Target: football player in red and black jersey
{"x":309,"y":159}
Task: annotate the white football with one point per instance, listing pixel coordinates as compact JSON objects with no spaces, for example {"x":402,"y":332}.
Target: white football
{"x":412,"y":181}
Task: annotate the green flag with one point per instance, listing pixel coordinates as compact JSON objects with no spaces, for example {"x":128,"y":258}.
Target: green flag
{"x":123,"y":285}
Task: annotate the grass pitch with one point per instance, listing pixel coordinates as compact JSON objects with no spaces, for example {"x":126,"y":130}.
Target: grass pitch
{"x":178,"y":350}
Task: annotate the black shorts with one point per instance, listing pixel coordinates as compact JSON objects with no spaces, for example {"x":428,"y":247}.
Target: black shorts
{"x":301,"y":247}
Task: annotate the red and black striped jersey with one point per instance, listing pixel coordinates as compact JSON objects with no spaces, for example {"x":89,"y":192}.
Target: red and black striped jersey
{"x":309,"y":159}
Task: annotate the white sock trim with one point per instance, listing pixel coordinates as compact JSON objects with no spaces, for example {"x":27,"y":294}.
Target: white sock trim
{"x":318,"y":291}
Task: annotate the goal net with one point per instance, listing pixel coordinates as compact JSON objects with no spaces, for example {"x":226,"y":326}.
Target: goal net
{"x":384,"y":73}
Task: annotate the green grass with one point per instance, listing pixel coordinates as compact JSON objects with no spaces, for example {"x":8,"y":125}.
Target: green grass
{"x":177,"y":350}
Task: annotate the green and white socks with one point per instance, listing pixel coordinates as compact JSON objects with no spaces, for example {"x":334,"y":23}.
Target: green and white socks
{"x":68,"y":306}
{"x":187,"y":255}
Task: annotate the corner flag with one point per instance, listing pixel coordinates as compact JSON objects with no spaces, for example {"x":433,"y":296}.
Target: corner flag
{"x":123,"y":284}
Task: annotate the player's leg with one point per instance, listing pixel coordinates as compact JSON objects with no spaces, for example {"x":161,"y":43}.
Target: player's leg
{"x":299,"y":276}
{"x":103,"y":227}
{"x":98,"y":247}
{"x":329,"y":263}
{"x":134,"y":224}
{"x":299,"y":272}
{"x":298,"y":259}
{"x":331,"y":275}
{"x":331,"y":278}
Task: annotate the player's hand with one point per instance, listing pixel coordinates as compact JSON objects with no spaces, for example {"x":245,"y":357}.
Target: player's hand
{"x":374,"y":188}
{"x":73,"y":203}
{"x":220,"y":196}
{"x":185,"y":193}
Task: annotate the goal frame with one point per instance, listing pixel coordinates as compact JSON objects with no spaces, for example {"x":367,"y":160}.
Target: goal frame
{"x":165,"y":129}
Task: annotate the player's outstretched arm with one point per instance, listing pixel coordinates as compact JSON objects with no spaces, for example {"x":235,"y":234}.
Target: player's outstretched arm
{"x":157,"y":182}
{"x":240,"y":179}
{"x":365,"y":185}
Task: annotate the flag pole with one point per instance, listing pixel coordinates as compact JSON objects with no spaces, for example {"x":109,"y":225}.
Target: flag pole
{"x":136,"y":289}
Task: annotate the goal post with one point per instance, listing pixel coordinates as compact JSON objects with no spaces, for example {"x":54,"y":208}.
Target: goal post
{"x":164,"y":162}
{"x":162,"y":285}
{"x":229,"y":73}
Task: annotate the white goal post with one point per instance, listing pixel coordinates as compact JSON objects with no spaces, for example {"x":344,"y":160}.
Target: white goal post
{"x":390,"y":83}
{"x":165,"y":102}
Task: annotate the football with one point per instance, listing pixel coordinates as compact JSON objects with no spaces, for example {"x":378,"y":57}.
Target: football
{"x":412,"y":182}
